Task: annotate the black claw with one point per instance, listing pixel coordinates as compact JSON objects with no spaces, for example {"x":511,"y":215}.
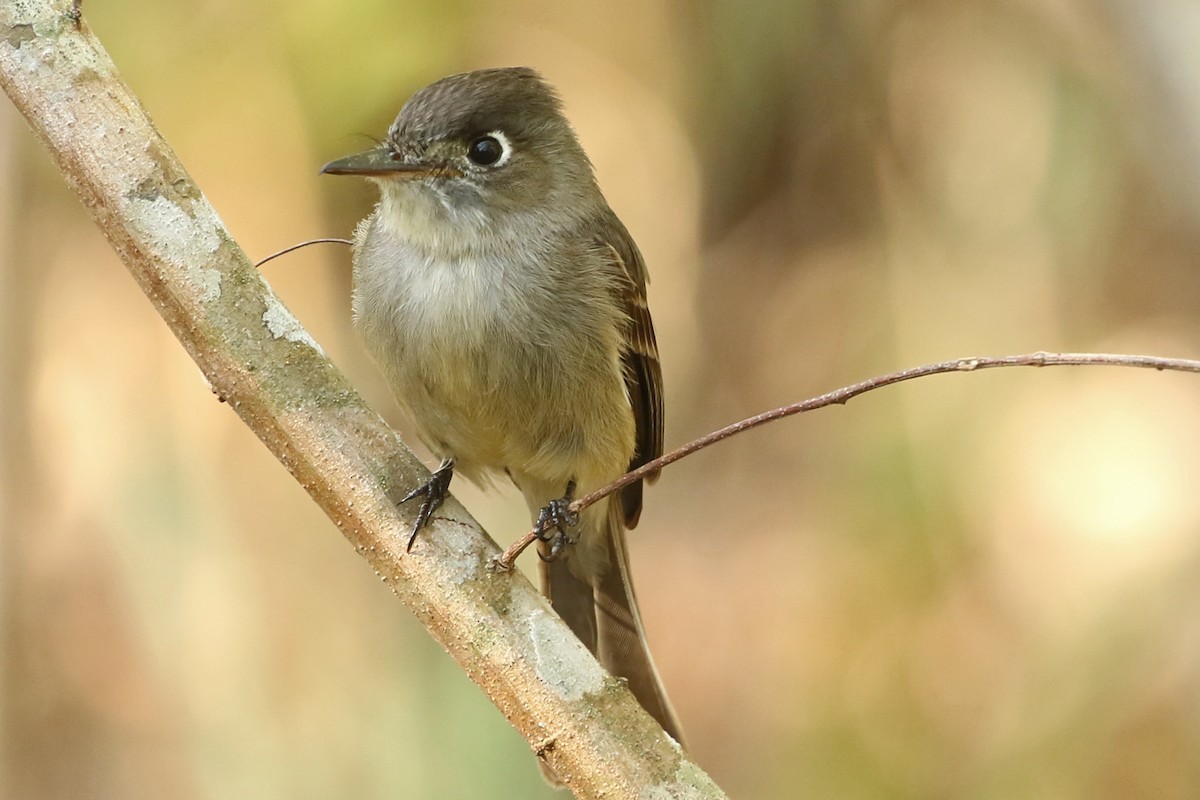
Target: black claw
{"x":555,"y":522}
{"x":434,"y":491}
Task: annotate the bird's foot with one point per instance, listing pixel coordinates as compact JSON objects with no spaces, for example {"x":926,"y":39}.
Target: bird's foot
{"x":555,"y":522}
{"x":434,"y":491}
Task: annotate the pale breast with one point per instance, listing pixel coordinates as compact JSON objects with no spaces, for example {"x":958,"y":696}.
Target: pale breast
{"x":496,"y":367}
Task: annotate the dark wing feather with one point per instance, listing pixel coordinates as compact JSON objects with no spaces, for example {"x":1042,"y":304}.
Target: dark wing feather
{"x":643,"y":373}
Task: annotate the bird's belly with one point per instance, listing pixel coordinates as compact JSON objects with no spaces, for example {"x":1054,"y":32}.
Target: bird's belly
{"x":490,"y":418}
{"x":489,"y":381}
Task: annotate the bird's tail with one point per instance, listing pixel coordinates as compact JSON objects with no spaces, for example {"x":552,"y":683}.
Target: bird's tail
{"x":601,"y":608}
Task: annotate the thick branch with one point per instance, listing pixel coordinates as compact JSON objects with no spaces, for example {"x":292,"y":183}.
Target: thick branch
{"x":257,"y":357}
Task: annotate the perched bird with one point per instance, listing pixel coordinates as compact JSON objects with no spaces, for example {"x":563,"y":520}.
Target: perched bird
{"x":506,"y":305}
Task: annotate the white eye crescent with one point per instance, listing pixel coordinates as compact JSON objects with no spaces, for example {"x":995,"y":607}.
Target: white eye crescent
{"x":493,"y":149}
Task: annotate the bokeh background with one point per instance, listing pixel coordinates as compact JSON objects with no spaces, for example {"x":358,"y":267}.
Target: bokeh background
{"x":975,"y":586}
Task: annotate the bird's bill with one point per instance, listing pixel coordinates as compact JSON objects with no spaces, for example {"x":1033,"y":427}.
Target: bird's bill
{"x":382,"y":161}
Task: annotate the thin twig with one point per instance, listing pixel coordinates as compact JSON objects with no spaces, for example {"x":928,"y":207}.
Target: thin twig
{"x":287,"y":250}
{"x":840,"y":397}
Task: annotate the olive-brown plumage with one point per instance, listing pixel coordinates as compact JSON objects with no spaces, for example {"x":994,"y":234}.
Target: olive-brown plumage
{"x":506,"y":304}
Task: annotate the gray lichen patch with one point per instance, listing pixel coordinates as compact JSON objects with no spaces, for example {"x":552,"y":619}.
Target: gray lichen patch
{"x":185,"y":241}
{"x":559,"y":658}
{"x":283,"y":325}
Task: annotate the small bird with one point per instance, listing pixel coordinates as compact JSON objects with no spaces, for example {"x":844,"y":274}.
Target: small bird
{"x":506,"y":305}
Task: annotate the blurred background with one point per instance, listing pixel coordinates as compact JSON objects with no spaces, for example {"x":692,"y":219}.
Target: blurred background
{"x":973,"y":586}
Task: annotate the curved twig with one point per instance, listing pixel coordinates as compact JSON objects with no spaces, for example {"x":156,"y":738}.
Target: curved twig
{"x":846,"y":393}
{"x":286,"y":250}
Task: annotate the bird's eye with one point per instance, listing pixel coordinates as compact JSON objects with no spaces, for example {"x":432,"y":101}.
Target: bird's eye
{"x":489,"y":150}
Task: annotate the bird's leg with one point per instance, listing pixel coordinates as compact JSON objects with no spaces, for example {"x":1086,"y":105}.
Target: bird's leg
{"x":434,"y":491}
{"x":554,"y":521}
